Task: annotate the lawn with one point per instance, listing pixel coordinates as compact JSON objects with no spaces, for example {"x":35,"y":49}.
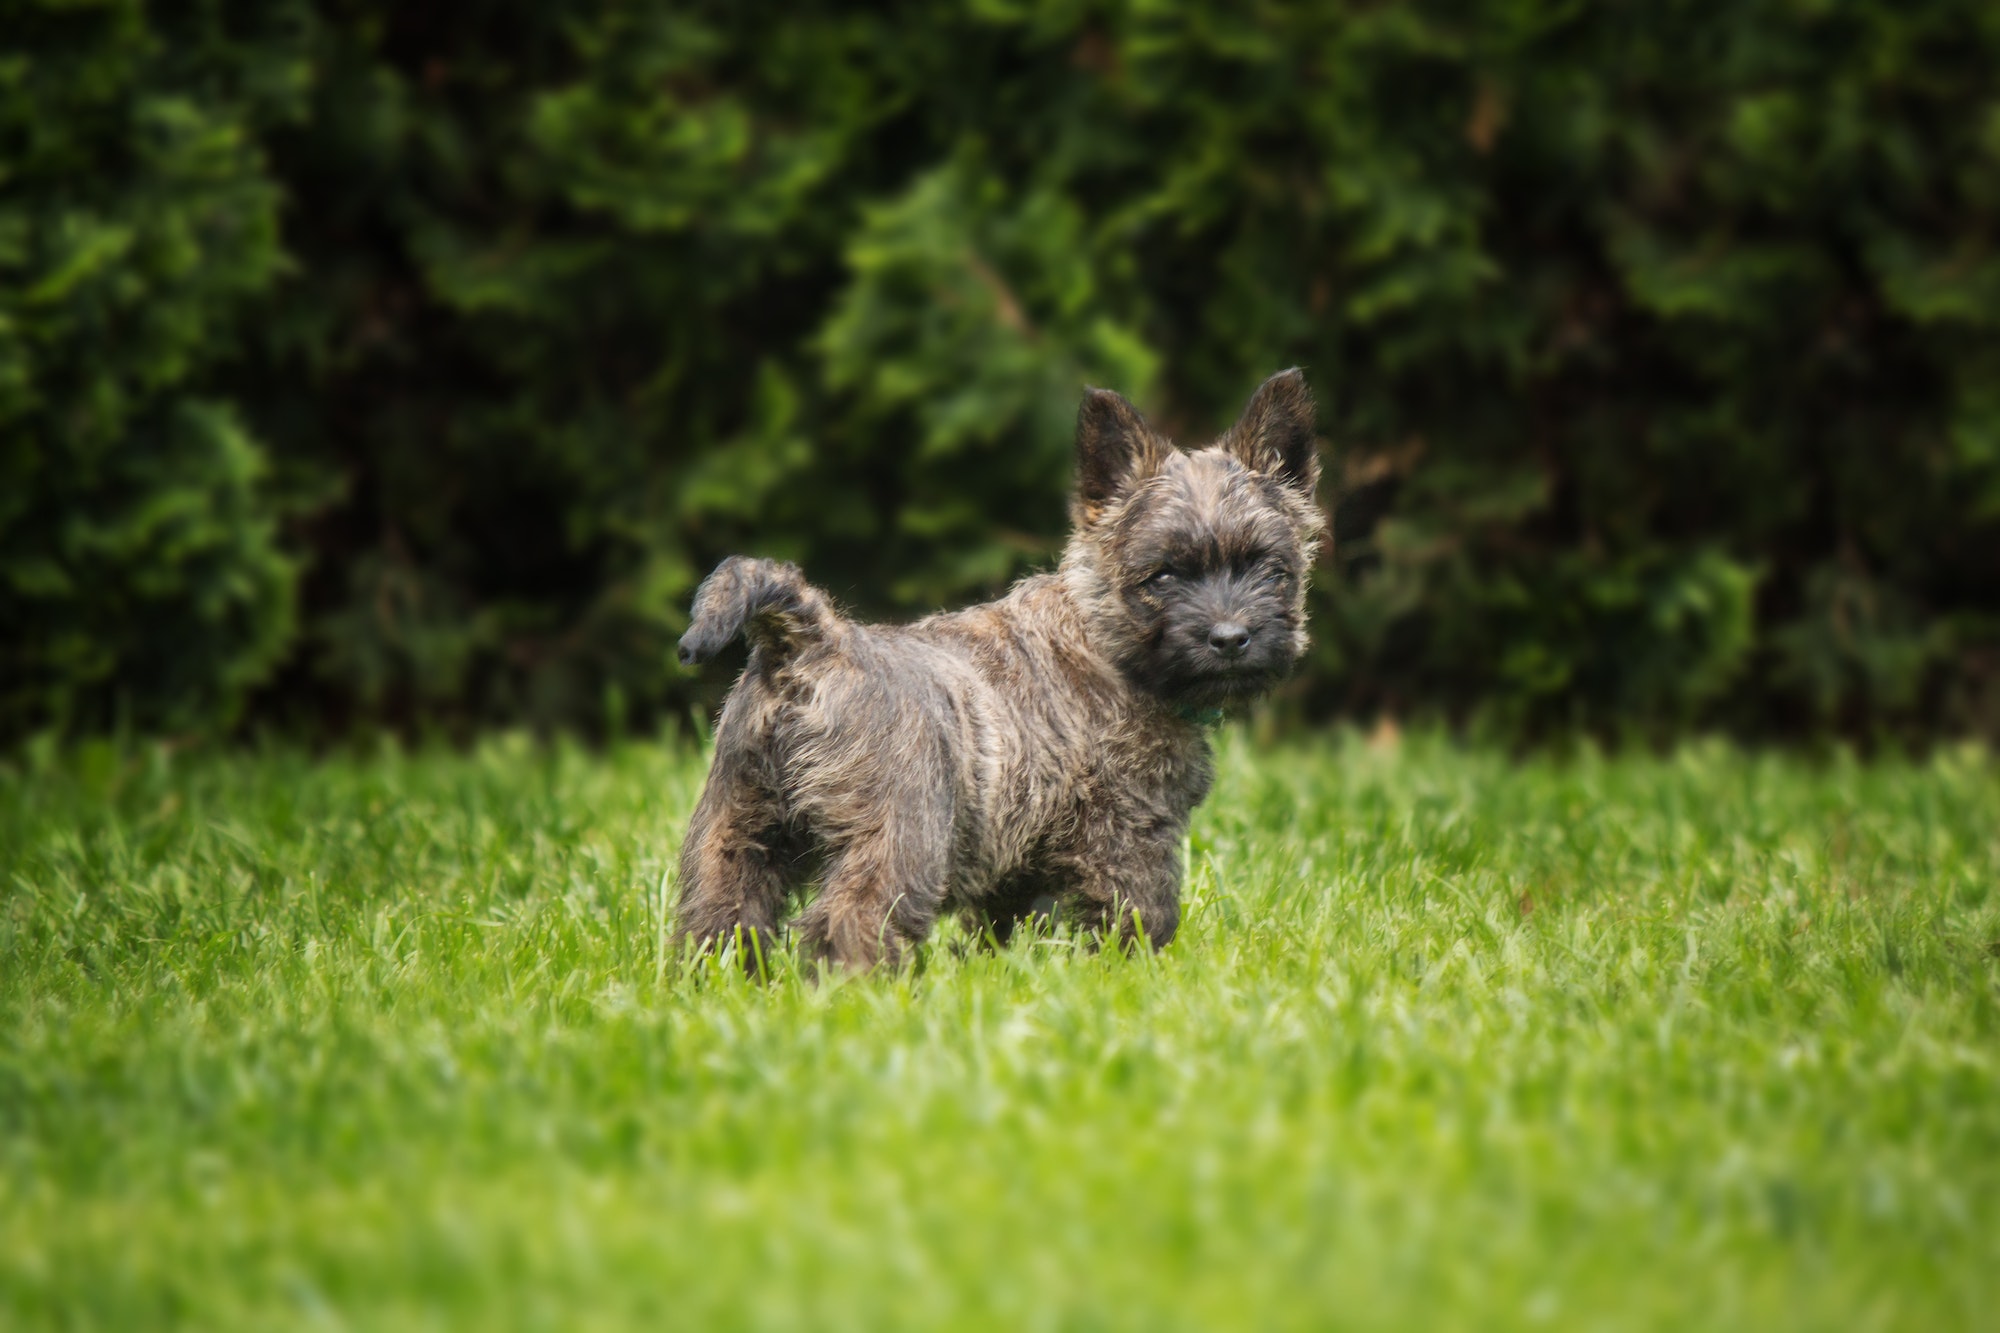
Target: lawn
{"x":393,"y":1040}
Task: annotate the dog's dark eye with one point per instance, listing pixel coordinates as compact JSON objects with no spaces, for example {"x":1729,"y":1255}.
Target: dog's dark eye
{"x":1162,"y":577}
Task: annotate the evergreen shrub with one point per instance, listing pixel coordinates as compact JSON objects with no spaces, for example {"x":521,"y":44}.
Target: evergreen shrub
{"x":1658,"y":346}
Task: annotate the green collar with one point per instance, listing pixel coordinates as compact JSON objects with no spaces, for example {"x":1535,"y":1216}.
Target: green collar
{"x":1201,"y":717}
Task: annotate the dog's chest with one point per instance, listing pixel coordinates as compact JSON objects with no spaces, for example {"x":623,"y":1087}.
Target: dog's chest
{"x":1115,"y":780}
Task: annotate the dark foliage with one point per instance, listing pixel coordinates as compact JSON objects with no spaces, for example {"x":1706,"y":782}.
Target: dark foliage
{"x":416,"y":360}
{"x":141,"y":582}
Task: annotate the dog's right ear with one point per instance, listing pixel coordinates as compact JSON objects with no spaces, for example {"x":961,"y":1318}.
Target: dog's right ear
{"x":1115,"y":449}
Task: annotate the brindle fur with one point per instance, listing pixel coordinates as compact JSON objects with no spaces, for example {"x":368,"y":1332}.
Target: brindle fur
{"x":1040,"y":747}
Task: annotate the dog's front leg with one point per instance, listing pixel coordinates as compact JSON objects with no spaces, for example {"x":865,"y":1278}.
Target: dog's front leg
{"x":886,"y":875}
{"x":1126,"y":880}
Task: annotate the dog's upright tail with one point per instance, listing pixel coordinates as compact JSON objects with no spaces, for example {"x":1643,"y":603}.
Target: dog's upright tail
{"x":767,"y":602}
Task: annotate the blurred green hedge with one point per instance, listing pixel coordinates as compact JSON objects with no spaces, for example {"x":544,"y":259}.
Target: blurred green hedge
{"x":369,"y":362}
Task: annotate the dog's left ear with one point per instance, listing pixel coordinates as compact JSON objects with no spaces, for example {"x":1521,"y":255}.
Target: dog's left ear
{"x":1275,"y":434}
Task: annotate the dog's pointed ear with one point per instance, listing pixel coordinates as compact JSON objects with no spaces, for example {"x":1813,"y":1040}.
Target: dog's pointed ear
{"x":1115,"y":449}
{"x":1275,"y":434}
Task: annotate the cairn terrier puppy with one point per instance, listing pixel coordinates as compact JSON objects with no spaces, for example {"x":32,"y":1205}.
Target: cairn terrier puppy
{"x":1046,"y":747}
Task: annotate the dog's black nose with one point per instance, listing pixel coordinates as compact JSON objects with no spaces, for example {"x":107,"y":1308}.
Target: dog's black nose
{"x":1229,"y":639}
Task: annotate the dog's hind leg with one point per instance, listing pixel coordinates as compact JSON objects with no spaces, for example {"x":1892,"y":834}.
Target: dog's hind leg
{"x":739,"y":857}
{"x":734,"y":871}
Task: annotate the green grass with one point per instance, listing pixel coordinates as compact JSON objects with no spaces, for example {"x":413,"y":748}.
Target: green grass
{"x":1446,"y":1041}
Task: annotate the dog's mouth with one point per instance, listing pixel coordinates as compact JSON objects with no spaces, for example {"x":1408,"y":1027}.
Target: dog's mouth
{"x":1226,"y":683}
{"x":1195,"y":675}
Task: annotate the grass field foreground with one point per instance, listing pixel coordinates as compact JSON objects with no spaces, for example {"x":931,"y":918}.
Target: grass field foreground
{"x":1447,"y":1040}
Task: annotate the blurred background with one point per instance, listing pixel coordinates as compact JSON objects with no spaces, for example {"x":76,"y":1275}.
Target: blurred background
{"x":370,"y":364}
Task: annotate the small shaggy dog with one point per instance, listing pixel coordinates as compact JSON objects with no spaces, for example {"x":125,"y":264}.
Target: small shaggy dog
{"x":1048,"y":746}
